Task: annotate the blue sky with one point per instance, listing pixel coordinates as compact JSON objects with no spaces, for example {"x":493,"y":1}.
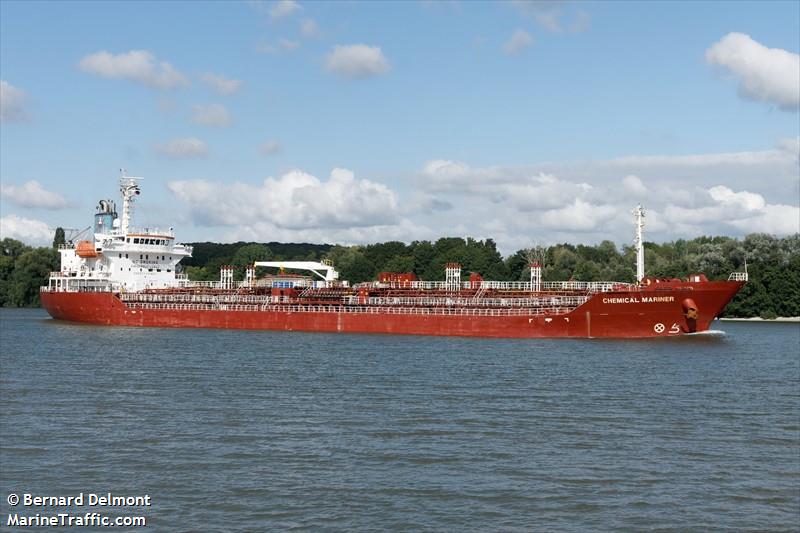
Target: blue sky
{"x":359,"y":122}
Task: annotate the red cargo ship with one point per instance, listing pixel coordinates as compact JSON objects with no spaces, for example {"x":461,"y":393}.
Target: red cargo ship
{"x":125,"y":276}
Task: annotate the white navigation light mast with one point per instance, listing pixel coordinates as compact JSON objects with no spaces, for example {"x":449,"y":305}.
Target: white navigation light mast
{"x":129,"y":188}
{"x":638,"y":241}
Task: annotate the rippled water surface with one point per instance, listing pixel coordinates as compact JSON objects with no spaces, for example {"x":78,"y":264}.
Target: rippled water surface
{"x":255,"y":431}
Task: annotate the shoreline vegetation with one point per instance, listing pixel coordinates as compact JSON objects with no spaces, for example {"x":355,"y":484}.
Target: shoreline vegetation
{"x":773,"y":264}
{"x":789,"y":319}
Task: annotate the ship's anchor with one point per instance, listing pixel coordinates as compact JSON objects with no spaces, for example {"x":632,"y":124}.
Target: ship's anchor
{"x":691,"y":313}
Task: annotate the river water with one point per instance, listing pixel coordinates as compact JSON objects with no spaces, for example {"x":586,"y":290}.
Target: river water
{"x":256,"y":431}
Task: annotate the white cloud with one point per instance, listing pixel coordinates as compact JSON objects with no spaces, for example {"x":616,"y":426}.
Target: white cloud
{"x":444,"y":167}
{"x":579,"y":216}
{"x":283,"y":9}
{"x":139,"y":66}
{"x":12,"y":103}
{"x":634,"y":185}
{"x":446,"y":175}
{"x":295,"y":201}
{"x":743,"y":200}
{"x":743,"y":210}
{"x":591,"y":201}
{"x":544,"y":191}
{"x":732,"y":193}
{"x":221,"y":84}
{"x":518,"y":41}
{"x":214,"y":115}
{"x":287,"y":45}
{"x":766,"y":74}
{"x":404,"y":230}
{"x":581,"y":22}
{"x":27,"y":230}
{"x":790,"y":146}
{"x":271,"y":147}
{"x":445,"y":170}
{"x":185,"y":148}
{"x":309,"y":28}
{"x":32,"y":194}
{"x":553,"y":16}
{"x":283,"y":45}
{"x":543,"y":13}
{"x":357,"y":61}
{"x":701,"y":160}
{"x":776,"y":219}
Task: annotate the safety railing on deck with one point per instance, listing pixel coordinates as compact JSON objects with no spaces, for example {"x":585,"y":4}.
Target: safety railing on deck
{"x":557,"y":301}
{"x":73,"y":284}
{"x":432,"y":311}
{"x":526,"y":286}
{"x":422,"y":301}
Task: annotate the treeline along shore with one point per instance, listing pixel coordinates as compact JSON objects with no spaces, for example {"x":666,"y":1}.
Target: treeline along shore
{"x":773,"y":264}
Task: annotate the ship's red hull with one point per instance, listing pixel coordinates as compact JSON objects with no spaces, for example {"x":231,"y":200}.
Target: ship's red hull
{"x":627,"y":314}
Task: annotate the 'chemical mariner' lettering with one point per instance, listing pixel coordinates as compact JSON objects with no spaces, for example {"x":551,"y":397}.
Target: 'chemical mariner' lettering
{"x":637,"y":300}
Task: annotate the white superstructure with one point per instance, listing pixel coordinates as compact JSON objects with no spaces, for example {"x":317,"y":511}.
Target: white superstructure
{"x":119,"y":257}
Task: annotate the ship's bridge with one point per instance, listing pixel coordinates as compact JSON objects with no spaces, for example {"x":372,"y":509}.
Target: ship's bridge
{"x":118,"y":256}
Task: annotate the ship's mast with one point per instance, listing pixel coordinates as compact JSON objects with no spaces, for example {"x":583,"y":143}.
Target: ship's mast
{"x":129,"y":188}
{"x":638,"y":241}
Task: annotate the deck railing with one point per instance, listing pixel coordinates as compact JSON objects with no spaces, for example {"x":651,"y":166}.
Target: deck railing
{"x":77,"y":284}
{"x":406,"y":301}
{"x":427,"y":311}
{"x":558,"y":301}
{"x":525,"y":286}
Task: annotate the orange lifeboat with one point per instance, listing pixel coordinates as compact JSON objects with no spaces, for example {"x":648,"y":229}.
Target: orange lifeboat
{"x":85,"y":249}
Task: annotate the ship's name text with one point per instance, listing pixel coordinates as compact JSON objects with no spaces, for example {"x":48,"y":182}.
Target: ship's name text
{"x":635,"y":300}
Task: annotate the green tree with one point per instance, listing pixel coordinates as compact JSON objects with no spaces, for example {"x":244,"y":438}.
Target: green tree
{"x":31,"y":271}
{"x":400,"y":263}
{"x":59,"y":238}
{"x":423,"y":254}
{"x":247,"y":255}
{"x":351,"y":263}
